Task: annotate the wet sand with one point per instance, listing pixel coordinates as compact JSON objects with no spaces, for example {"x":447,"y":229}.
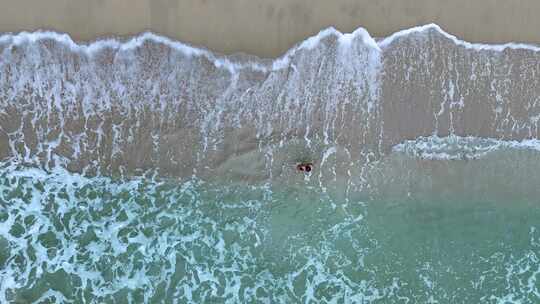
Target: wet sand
{"x":340,"y":102}
{"x":269,"y":28}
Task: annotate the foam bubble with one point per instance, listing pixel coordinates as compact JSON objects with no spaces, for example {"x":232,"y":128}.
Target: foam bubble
{"x":461,"y":148}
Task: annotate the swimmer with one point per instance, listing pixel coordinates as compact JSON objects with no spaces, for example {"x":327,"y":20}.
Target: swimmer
{"x":304,"y":167}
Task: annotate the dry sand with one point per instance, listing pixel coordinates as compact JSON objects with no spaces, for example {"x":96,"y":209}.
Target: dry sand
{"x":268,"y":28}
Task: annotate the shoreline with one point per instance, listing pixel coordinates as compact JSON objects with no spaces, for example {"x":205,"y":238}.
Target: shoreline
{"x":238,"y":61}
{"x":268,"y":30}
{"x":189,"y":112}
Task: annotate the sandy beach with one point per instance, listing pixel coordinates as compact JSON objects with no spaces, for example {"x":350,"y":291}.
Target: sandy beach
{"x":269,"y":28}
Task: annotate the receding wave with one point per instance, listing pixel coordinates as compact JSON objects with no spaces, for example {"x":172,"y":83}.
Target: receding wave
{"x":153,"y":104}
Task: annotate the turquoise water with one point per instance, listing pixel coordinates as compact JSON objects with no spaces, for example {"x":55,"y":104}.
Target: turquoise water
{"x":66,"y":238}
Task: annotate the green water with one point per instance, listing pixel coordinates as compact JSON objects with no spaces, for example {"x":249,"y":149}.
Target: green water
{"x":65,"y":238}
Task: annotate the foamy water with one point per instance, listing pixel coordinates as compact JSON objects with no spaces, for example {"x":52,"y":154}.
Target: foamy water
{"x":461,"y":148}
{"x":68,"y":238}
{"x":151,"y":171}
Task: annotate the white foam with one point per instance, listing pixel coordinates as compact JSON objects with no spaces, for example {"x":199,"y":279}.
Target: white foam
{"x":312,"y":42}
{"x":133,"y":43}
{"x":361,"y":33}
{"x":460,"y":148}
{"x":476,"y":46}
{"x":256,"y":64}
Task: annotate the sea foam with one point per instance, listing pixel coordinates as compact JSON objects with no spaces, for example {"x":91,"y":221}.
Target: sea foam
{"x":221,"y":61}
{"x":461,"y":148}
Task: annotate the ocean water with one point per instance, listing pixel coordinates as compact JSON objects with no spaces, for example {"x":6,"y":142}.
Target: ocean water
{"x":67,"y":238}
{"x":150,"y":171}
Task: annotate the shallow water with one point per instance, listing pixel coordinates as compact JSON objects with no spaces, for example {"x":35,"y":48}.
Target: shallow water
{"x":68,"y":238}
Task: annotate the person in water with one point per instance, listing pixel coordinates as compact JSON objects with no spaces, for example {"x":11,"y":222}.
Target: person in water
{"x":304,"y":167}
